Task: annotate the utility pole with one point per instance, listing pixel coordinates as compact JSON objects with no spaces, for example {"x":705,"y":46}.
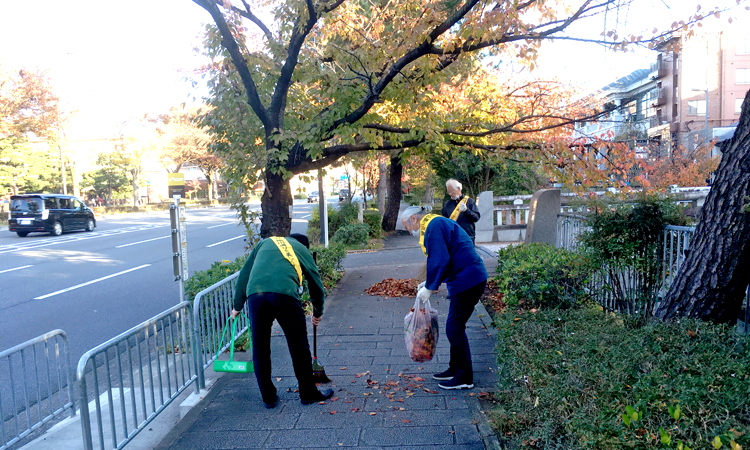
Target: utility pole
{"x":62,"y":158}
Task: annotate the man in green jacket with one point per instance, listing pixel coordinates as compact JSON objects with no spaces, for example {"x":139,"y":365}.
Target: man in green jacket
{"x":270,"y":282}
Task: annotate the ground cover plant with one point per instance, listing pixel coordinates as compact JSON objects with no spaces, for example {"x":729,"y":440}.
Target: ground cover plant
{"x":583,"y":379}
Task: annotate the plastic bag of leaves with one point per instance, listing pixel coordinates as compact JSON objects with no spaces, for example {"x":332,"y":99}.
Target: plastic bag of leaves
{"x":421,"y":332}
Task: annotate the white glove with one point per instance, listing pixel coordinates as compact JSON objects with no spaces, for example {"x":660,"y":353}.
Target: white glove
{"x":421,"y":285}
{"x":462,"y":207}
{"x":424,"y":294}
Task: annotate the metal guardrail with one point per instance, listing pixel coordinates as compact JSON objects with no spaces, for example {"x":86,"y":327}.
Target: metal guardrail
{"x":569,"y":227}
{"x":51,"y":352}
{"x":151,"y":363}
{"x":211,"y":308}
{"x":676,"y":242}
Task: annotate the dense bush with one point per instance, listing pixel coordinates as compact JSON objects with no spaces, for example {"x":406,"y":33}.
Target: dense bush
{"x":329,"y":263}
{"x":540,"y":275}
{"x":300,"y":196}
{"x":352,"y":234}
{"x":373,"y":218}
{"x":219,"y":270}
{"x":567,"y":377}
{"x":626,"y":239}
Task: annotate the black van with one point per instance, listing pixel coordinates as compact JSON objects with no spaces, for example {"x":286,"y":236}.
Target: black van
{"x":52,"y":213}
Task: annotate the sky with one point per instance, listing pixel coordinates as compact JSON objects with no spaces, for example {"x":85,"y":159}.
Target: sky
{"x":113,"y":61}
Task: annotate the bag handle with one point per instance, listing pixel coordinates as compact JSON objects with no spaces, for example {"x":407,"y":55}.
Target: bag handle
{"x":234,"y":328}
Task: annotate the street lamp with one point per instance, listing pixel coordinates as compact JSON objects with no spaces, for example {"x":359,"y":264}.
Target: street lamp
{"x":705,"y":130}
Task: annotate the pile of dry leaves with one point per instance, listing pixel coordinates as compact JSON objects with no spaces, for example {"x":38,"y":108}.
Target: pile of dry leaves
{"x":492,"y":299}
{"x":394,"y":288}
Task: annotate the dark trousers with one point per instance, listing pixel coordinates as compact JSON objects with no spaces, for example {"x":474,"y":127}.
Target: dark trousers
{"x":459,"y":312}
{"x":264,"y":308}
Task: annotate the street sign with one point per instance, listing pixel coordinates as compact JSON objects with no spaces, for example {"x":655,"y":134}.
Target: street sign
{"x":176,"y":185}
{"x":344,"y":177}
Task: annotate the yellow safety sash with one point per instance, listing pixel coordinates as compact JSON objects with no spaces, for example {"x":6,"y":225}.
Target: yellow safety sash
{"x":423,"y":227}
{"x":286,"y":249}
{"x":456,"y":211}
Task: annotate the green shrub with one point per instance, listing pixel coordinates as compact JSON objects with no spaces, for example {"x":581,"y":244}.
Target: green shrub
{"x":352,"y":234}
{"x":300,"y":196}
{"x":626,"y":239}
{"x":219,"y":270}
{"x":540,"y":275}
{"x":373,"y":218}
{"x":345,"y":215}
{"x":329,"y":263}
{"x":566,"y":377}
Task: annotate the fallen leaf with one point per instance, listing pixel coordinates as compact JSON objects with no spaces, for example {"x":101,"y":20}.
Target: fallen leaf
{"x":355,"y":409}
{"x":321,"y":403}
{"x":343,"y":368}
{"x":402,"y":409}
{"x":373,"y":414}
{"x":333,"y":412}
{"x":419,"y":379}
{"x":278,"y":378}
{"x":334,"y":399}
{"x":405,"y":420}
{"x":452,"y":432}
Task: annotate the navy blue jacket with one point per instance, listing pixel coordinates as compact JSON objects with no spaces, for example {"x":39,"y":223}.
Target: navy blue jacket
{"x":466,"y":219}
{"x":451,"y":257}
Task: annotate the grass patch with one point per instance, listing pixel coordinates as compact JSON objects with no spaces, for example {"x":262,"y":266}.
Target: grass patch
{"x":567,"y":377}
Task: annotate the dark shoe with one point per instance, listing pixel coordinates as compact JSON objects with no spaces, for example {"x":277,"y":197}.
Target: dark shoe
{"x":453,"y":383}
{"x":447,"y":375}
{"x":321,"y":396}
{"x":273,"y":404}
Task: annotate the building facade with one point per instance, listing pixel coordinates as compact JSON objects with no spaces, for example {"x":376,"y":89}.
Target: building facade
{"x":701,"y":81}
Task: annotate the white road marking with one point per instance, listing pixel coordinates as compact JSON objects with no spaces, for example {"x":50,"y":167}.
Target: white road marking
{"x":75,"y":237}
{"x":91,"y":282}
{"x":309,"y":216}
{"x":141,"y":242}
{"x":222,"y":225}
{"x":214,"y":245}
{"x":17,"y":268}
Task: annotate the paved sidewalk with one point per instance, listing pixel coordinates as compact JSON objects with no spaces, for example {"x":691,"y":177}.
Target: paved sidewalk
{"x":382,"y":400}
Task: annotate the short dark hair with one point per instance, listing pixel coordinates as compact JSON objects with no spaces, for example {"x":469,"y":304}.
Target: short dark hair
{"x":302,"y":239}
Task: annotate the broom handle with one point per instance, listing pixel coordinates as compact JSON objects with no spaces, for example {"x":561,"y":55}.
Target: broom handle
{"x":315,"y":341}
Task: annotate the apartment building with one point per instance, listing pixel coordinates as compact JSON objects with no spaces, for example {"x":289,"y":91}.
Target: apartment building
{"x":701,"y":81}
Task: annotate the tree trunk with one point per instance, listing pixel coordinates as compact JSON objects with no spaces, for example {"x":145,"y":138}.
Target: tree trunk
{"x":275,"y":203}
{"x":382,"y":186}
{"x":711,"y":282}
{"x":390,"y":218}
{"x":210,"y":188}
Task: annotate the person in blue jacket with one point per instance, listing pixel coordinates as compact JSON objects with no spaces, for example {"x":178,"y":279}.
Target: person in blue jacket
{"x":453,"y":260}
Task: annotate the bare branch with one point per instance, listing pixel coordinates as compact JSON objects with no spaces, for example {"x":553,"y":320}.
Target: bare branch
{"x":229,"y":42}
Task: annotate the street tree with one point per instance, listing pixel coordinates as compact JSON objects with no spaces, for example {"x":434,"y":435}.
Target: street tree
{"x":333,"y":78}
{"x":685,"y":168}
{"x":111,"y":177}
{"x":179,"y":140}
{"x":28,"y":110}
{"x":713,"y":278}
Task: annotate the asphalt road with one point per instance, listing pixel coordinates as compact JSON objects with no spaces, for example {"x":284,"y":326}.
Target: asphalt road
{"x":97,"y":285}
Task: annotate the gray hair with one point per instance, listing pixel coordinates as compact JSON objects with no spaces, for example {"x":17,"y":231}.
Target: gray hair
{"x":453,"y":183}
{"x":412,"y":210}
